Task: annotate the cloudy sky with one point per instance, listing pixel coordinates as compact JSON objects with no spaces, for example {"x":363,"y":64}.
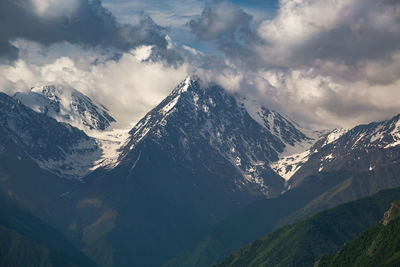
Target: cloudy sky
{"x":323,"y":62}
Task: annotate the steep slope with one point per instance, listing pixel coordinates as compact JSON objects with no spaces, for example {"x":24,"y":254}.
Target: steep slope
{"x":302,"y":243}
{"x":361,"y":149}
{"x":27,"y":241}
{"x":289,"y":164}
{"x":193,"y":115}
{"x":34,"y":152}
{"x":56,"y":147}
{"x":193,"y":160}
{"x":354,"y":187}
{"x":368,"y":153}
{"x":67,"y":105}
{"x":378,"y":246}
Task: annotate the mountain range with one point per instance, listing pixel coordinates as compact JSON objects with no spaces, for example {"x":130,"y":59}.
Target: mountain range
{"x":200,"y":175}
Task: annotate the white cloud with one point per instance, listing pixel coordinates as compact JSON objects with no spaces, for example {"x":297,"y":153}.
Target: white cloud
{"x":337,"y":30}
{"x":324,"y":62}
{"x":129,"y":87}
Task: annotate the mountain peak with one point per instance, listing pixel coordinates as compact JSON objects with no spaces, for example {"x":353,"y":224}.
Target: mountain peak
{"x":197,"y":116}
{"x":65,"y":104}
{"x":186,"y":84}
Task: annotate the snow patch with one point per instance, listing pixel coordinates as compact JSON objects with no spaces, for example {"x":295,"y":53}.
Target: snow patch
{"x":170,"y":105}
{"x":334,"y":135}
{"x":289,"y":165}
{"x":110,"y":143}
{"x":396,"y":135}
{"x":101,"y":151}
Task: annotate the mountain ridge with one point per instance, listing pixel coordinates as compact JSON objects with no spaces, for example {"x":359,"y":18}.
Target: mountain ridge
{"x":66,"y":104}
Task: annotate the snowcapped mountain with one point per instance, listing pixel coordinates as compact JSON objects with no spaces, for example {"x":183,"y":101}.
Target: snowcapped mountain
{"x":211,"y":115}
{"x":249,"y":137}
{"x":67,"y":105}
{"x":56,"y":147}
{"x":188,"y":163}
{"x":360,"y":149}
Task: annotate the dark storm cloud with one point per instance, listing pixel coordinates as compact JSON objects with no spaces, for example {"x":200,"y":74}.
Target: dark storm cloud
{"x":8,"y":52}
{"x":225,"y":25}
{"x":348,"y":32}
{"x":369,"y":30}
{"x":344,"y":31}
{"x":83,"y":22}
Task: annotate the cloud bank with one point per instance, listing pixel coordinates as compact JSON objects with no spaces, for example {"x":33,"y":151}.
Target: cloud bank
{"x":322,"y":62}
{"x":129,"y":87}
{"x":333,"y":62}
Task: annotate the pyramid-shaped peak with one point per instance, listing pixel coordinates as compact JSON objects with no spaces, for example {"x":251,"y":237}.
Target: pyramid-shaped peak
{"x":189,"y":84}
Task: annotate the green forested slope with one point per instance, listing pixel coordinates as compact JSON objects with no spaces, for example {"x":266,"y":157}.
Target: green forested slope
{"x":378,"y":246}
{"x":303,"y":243}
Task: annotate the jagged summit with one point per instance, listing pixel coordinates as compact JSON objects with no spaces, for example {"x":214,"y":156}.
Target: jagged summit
{"x":68,"y":105}
{"x":197,"y":115}
{"x":191,"y":96}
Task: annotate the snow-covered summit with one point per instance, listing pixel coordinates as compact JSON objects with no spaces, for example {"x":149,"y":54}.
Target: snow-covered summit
{"x":197,"y":116}
{"x":203,"y":99}
{"x":67,"y":105}
{"x":57,"y":147}
{"x":100,"y":148}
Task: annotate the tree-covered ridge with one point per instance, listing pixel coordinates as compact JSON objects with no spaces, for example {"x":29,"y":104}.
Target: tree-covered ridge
{"x":378,"y":246}
{"x":303,"y":243}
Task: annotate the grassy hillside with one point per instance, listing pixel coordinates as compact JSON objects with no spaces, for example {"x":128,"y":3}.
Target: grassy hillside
{"x":302,"y":243}
{"x":378,"y":246}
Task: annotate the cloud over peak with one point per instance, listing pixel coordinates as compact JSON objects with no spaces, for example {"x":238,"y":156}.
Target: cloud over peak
{"x":334,"y":62}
